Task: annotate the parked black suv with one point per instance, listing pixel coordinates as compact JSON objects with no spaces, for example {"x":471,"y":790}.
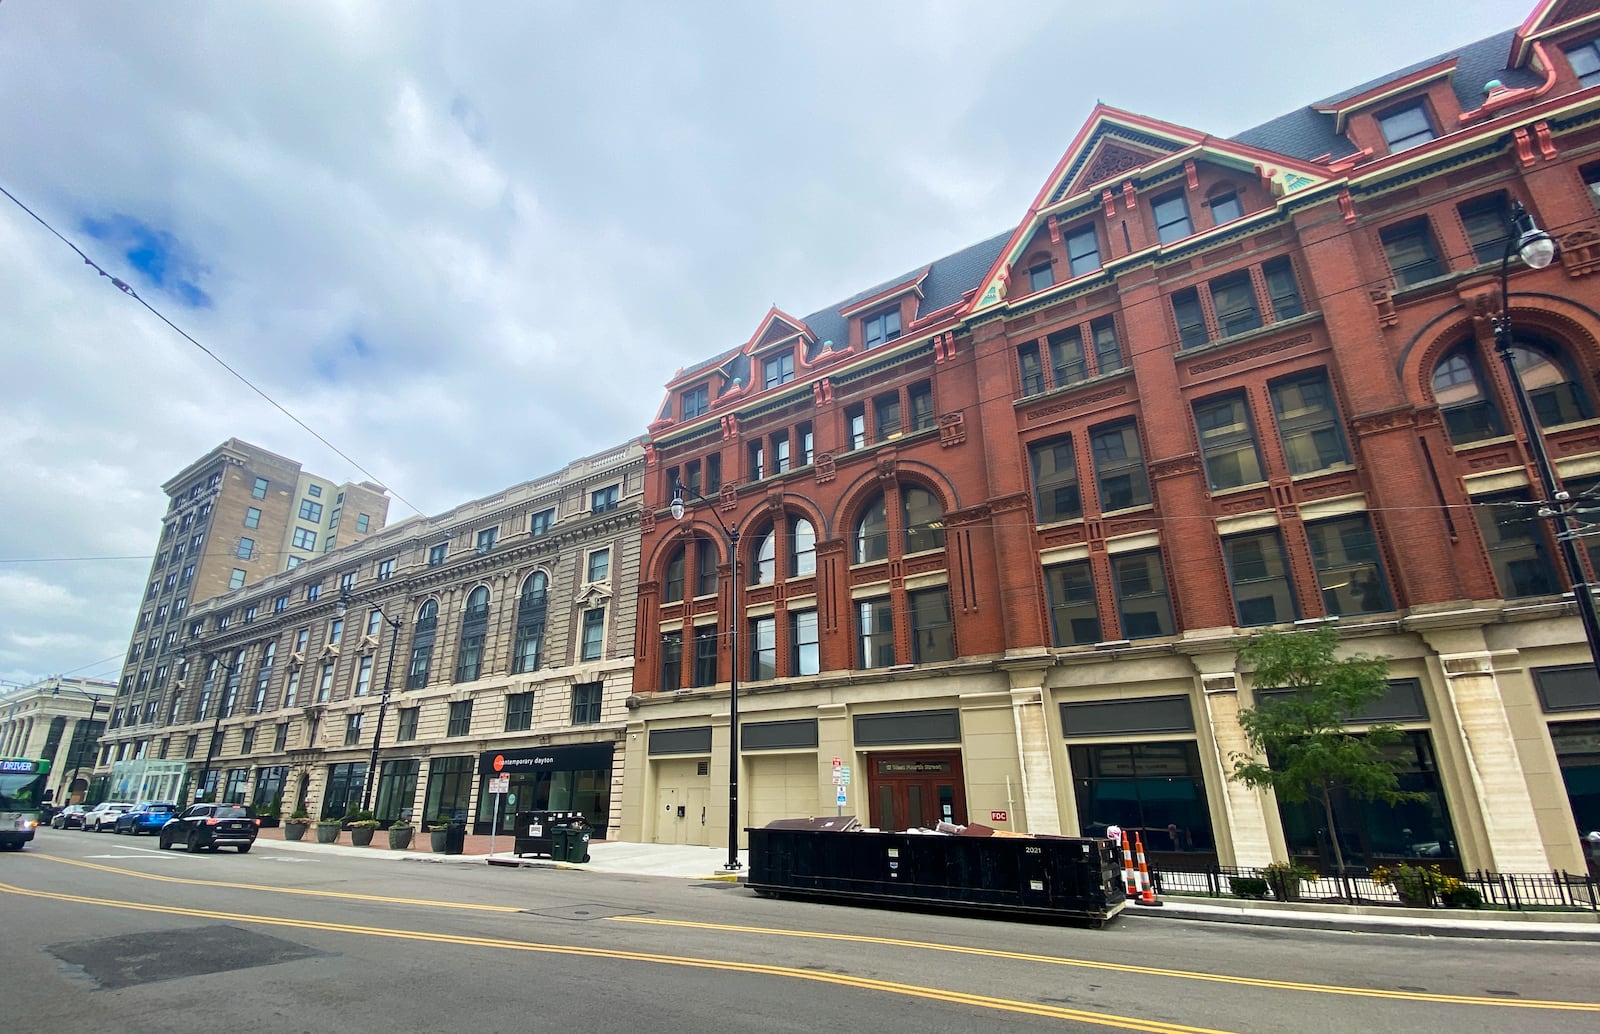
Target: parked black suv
{"x":210,"y":826}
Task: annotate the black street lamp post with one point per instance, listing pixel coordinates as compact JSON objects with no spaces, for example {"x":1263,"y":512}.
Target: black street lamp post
{"x":1537,"y":250}
{"x":226,"y":671}
{"x":346,"y":598}
{"x":83,"y":741}
{"x":731,"y":536}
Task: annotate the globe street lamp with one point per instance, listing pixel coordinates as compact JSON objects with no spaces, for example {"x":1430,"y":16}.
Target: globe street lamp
{"x":1537,"y":250}
{"x":346,"y":597}
{"x":731,"y":537}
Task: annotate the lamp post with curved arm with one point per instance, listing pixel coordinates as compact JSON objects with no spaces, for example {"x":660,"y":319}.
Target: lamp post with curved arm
{"x":731,"y":536}
{"x":1537,"y":250}
{"x":82,"y":741}
{"x":216,"y":722}
{"x":346,"y":597}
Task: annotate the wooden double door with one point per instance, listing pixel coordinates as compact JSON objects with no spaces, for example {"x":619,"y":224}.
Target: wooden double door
{"x":917,"y":789}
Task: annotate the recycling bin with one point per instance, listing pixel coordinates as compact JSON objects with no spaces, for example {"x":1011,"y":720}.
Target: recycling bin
{"x":577,"y":844}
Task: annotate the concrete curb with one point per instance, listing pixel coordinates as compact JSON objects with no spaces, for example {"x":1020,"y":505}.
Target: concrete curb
{"x":1510,"y":926}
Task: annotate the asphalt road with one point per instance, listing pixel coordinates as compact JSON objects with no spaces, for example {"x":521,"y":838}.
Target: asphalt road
{"x":106,"y":933}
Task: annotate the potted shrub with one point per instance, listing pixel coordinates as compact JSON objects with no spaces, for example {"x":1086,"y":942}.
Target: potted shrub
{"x":295,"y":827}
{"x":270,"y":813}
{"x":400,"y":835}
{"x":1284,"y":879}
{"x":328,"y":830}
{"x":1253,"y":888}
{"x":362,"y":826}
{"x":1416,"y":886}
{"x":438,"y":833}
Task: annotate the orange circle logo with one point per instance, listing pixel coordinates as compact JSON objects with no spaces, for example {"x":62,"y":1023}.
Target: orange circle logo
{"x":499,"y":762}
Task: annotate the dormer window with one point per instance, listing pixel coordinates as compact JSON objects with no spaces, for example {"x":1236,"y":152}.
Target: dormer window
{"x":1040,"y":276}
{"x":1405,"y":127}
{"x":694,"y":402}
{"x":1083,"y":251}
{"x":1585,"y":61}
{"x":882,"y":328}
{"x":778,"y":369}
{"x":1225,"y":208}
{"x":1172,"y":218}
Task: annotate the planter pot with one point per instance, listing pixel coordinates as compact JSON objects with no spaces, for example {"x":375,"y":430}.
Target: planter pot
{"x":439,"y":839}
{"x":327,"y":834}
{"x":361,"y":836}
{"x":270,"y":823}
{"x":294,"y":831}
{"x":399,"y":839}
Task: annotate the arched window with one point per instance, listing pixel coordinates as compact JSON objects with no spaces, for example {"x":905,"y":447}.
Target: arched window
{"x":422,"y":644}
{"x":765,"y":569}
{"x":531,"y":608}
{"x":672,"y":590}
{"x":1556,"y":395}
{"x":474,"y":629}
{"x":872,"y":532}
{"x":923,"y":520}
{"x":1470,"y":414}
{"x":802,"y":548}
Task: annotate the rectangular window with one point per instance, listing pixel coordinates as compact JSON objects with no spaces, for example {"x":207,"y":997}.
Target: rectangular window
{"x":586,"y":697}
{"x":260,"y":489}
{"x":1225,"y":208}
{"x":1055,"y":481}
{"x":236,"y":579}
{"x":246,"y":548}
{"x":1190,"y":318}
{"x":1308,"y":423}
{"x":1074,"y":610}
{"x":460,"y":722}
{"x":280,"y":738}
{"x":1172,"y":218}
{"x":540,"y":523}
{"x":694,"y":402}
{"x":1119,"y":466}
{"x":804,"y":655}
{"x":705,"y":655}
{"x":347,"y":580}
{"x":291,"y":688}
{"x":363,"y":522}
{"x":1028,"y":366}
{"x":1228,"y":442}
{"x":313,"y":591}
{"x":758,"y":460}
{"x":1107,"y":350}
{"x":352,"y":729}
{"x":407,"y":729}
{"x":594,"y":625}
{"x":1591,"y":179}
{"x":1040,"y":276}
{"x":1412,"y":255}
{"x":250,"y":613}
{"x":1585,"y":61}
{"x":305,"y":538}
{"x":778,"y":369}
{"x":188,"y":575}
{"x":780,"y":453}
{"x":1067,"y":363}
{"x":886,"y":416}
{"x":519,"y":712}
{"x":671,"y":660}
{"x":1234,"y":299}
{"x":763,"y":649}
{"x":1142,"y":601}
{"x":713,"y":472}
{"x":604,"y":500}
{"x":374,"y":619}
{"x":364,"y":677}
{"x":325,"y":683}
{"x":856,"y":417}
{"x":804,"y":439}
{"x":1083,"y":251}
{"x":1405,"y":127}
{"x":599,"y":566}
{"x":705,"y":582}
{"x":875,"y":633}
{"x":882,"y":328}
{"x":1485,"y":220}
{"x":252,"y":517}
{"x":933,"y":631}
{"x":386,"y":569}
{"x":310,"y":511}
{"x":1259,"y":576}
{"x":1282,"y":289}
{"x":436,"y":554}
{"x":921,"y":399}
{"x":280,"y":604}
{"x":1516,"y":545}
{"x":1344,"y":553}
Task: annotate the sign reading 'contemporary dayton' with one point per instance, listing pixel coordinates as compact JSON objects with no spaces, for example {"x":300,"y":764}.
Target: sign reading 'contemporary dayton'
{"x":577,"y":757}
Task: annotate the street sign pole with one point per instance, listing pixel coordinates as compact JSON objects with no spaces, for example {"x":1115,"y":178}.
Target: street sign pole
{"x":499,"y":787}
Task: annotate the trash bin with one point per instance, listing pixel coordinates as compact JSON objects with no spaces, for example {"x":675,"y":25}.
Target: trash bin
{"x":455,"y":838}
{"x":577,"y":844}
{"x":535,"y":831}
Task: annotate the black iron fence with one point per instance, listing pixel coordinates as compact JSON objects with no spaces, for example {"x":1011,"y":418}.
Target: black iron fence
{"x":1510,"y":890}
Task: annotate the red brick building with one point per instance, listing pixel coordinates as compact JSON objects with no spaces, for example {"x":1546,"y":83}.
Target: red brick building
{"x":1002,"y":521}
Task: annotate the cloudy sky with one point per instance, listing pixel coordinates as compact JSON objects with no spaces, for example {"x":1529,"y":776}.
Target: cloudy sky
{"x":468,"y":242}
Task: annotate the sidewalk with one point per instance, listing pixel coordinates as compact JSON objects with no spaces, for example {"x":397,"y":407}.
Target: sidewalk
{"x":706,"y":863}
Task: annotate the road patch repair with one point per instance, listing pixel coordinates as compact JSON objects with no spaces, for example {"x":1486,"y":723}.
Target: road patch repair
{"x":128,"y":960}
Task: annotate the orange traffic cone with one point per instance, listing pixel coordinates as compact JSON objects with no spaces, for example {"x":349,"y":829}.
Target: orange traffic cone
{"x":1130,"y":875}
{"x":1147,"y":896}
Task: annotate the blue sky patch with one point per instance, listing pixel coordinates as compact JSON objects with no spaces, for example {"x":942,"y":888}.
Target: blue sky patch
{"x":161,"y":257}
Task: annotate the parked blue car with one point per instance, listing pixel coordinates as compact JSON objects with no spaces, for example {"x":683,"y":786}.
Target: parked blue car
{"x":146,"y":817}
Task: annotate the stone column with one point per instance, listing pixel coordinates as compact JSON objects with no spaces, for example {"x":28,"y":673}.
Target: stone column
{"x":1041,"y":805}
{"x":1244,"y":810}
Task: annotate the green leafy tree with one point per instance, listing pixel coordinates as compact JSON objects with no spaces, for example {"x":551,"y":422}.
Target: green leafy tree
{"x":1300,"y":746}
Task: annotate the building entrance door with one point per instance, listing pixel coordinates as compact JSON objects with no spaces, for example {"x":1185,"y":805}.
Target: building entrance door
{"x":915,"y":790}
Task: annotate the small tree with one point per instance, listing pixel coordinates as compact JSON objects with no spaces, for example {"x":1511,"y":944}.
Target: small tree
{"x":1301,"y":747}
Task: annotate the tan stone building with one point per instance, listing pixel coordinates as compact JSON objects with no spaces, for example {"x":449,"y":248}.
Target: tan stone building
{"x":59,"y":720}
{"x":496,"y":637}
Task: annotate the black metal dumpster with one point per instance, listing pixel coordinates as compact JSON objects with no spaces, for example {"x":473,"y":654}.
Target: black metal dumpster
{"x":535,"y":831}
{"x":1054,"y":877}
{"x":455,"y":838}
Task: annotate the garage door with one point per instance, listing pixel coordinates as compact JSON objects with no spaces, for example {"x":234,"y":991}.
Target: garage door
{"x":783,"y":786}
